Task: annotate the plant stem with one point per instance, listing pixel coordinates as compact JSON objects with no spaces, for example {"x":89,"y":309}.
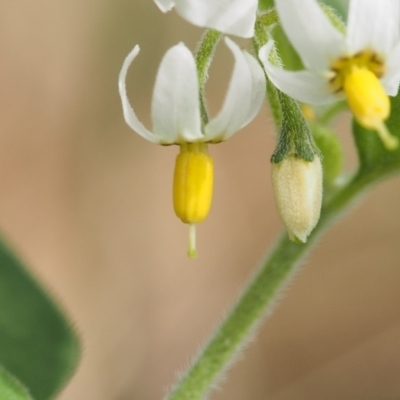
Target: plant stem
{"x":256,"y":300}
{"x":204,"y":55}
{"x":261,"y":38}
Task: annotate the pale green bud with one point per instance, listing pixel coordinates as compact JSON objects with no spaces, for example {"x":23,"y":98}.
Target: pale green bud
{"x":298,"y":194}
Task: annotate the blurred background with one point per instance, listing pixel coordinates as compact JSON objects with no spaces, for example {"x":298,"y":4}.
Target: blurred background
{"x":87,"y":203}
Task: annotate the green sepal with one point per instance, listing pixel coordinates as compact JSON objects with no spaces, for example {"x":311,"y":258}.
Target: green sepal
{"x":331,"y":149}
{"x":295,"y":136}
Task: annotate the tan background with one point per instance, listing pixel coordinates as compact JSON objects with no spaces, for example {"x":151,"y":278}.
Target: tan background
{"x":88,"y":204}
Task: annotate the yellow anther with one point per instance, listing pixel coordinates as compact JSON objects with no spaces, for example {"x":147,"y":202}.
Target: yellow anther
{"x":193,"y":185}
{"x":369,"y":103}
{"x":366,"y":97}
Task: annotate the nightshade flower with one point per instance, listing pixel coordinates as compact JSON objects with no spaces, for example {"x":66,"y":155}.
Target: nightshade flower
{"x":362,"y":66}
{"x":235,"y":17}
{"x":177,"y":120}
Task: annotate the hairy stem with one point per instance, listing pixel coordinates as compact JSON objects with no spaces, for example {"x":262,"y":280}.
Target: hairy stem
{"x":204,"y":55}
{"x":256,"y":300}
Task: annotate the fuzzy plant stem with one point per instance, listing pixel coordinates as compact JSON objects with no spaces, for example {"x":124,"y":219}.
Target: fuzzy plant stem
{"x":255,"y":302}
{"x":204,"y":56}
{"x":280,"y":264}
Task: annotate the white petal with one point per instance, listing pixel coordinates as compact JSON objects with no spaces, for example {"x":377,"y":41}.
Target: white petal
{"x":165,"y":5}
{"x":305,"y":86}
{"x":129,"y":115}
{"x":236,"y":17}
{"x":374,"y":25}
{"x":391,"y":79}
{"x":314,"y":37}
{"x":175,"y":107}
{"x":244,"y":97}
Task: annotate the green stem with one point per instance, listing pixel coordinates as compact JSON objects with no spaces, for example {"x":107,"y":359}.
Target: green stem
{"x":260,"y":38}
{"x":237,"y":328}
{"x":279,"y":266}
{"x":204,"y":55}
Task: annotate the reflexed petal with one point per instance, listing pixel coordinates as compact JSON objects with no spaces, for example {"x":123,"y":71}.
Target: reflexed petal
{"x":391,"y":79}
{"x":175,"y":107}
{"x":129,"y":115}
{"x":244,"y":98}
{"x":305,"y":86}
{"x":312,"y":34}
{"x":374,"y":25}
{"x":165,"y":5}
{"x":236,"y":17}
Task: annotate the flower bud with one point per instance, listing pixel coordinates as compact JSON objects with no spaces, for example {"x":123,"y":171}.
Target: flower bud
{"x":298,"y":194}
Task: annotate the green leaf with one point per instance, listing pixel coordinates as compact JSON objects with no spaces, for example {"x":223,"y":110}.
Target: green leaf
{"x":375,"y":159}
{"x":10,"y":388}
{"x":37,"y":344}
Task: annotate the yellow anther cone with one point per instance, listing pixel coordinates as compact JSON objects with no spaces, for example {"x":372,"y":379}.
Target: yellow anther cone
{"x":193,"y":186}
{"x":369,"y":103}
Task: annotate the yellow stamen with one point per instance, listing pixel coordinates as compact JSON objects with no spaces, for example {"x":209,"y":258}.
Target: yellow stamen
{"x":193,"y":185}
{"x":369,"y":103}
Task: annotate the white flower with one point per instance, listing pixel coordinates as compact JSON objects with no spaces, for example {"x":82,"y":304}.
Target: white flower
{"x":176,"y":107}
{"x":362,"y":66}
{"x":177,"y":120}
{"x":236,"y":17}
{"x":298,"y":194}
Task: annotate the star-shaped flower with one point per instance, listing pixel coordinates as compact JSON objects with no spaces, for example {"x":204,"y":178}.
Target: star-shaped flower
{"x":235,"y":17}
{"x":362,"y":66}
{"x":177,"y":120}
